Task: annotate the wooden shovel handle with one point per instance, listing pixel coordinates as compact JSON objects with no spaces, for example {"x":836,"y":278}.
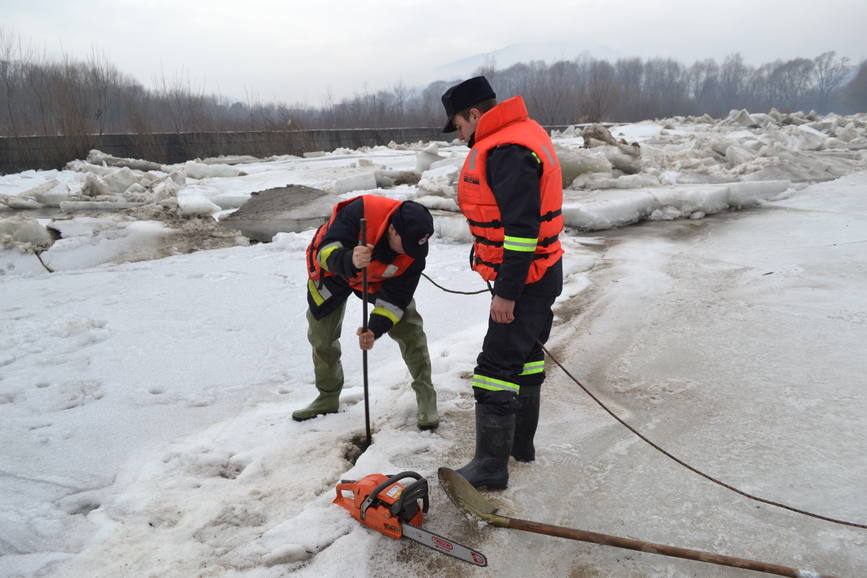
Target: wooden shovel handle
{"x":650,"y":547}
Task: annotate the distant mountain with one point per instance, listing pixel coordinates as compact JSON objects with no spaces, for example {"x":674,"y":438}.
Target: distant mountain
{"x":548,"y":52}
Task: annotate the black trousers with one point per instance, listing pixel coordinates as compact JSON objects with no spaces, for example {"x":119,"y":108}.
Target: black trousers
{"x":512,"y":352}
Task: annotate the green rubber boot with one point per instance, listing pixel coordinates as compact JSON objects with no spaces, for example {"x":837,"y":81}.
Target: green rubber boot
{"x":325,"y":402}
{"x":324,"y":337}
{"x":426,"y":397}
{"x":410,"y":337}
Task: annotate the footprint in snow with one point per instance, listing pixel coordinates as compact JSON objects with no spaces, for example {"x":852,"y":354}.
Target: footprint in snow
{"x":82,"y":332}
{"x":207,"y":464}
{"x":80,"y":393}
{"x":227,"y":529}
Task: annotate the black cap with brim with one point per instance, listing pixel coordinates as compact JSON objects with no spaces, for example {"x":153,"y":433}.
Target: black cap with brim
{"x":463,"y":96}
{"x":414,"y":223}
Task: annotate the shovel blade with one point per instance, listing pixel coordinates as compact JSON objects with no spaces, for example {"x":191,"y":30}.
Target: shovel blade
{"x":468,"y":499}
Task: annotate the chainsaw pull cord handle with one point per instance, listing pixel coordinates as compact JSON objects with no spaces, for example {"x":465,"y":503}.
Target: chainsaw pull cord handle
{"x":374,"y":495}
{"x":362,"y":240}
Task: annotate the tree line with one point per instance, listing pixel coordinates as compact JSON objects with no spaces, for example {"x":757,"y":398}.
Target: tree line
{"x":63,"y":96}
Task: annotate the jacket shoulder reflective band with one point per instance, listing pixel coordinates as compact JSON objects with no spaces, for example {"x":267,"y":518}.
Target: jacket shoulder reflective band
{"x":377,"y":212}
{"x":508,"y":123}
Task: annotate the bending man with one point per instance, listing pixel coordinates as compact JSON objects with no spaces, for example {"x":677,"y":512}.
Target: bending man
{"x":394,"y":254}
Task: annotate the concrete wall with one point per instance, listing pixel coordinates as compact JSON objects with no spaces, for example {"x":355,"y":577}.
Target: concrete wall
{"x":23,"y":153}
{"x":53,"y":152}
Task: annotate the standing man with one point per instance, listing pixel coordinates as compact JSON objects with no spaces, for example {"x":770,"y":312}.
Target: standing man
{"x":394,"y":255}
{"x":511,"y":192}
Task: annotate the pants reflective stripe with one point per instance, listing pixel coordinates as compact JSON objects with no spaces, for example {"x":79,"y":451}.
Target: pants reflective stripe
{"x":492,"y":384}
{"x":533,"y":367}
{"x":522,"y":244}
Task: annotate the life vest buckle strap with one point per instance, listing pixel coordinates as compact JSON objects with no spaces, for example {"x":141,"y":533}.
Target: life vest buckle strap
{"x":485,"y":224}
{"x":548,"y":241}
{"x":551,"y":215}
{"x":489,"y":242}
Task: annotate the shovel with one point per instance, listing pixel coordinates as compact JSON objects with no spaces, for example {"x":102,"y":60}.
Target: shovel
{"x":470,"y":501}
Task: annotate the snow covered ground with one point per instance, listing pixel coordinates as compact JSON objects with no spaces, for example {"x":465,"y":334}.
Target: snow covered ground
{"x":146,"y":404}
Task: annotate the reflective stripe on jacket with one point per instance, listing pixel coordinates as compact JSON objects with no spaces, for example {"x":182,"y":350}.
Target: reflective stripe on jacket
{"x":508,"y":123}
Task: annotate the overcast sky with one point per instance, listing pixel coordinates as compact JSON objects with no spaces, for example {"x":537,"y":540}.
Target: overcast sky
{"x":294,"y":51}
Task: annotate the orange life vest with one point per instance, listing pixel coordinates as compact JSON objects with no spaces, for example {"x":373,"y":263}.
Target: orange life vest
{"x":377,"y":211}
{"x":508,"y":123}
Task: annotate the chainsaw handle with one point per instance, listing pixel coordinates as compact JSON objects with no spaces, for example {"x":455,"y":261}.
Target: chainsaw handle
{"x":369,"y":500}
{"x":414,"y":491}
{"x":344,"y":485}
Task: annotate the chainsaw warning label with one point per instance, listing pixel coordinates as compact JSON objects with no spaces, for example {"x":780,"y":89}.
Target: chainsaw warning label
{"x":394,"y":492}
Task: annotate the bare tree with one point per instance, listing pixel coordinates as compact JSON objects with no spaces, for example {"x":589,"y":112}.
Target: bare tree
{"x":856,"y":91}
{"x":99,"y":75}
{"x":10,"y":75}
{"x":77,"y":110}
{"x":136,"y":104}
{"x":704,"y":87}
{"x":630,"y":75}
{"x":553,"y":95}
{"x":488,"y":69}
{"x":601,"y":91}
{"x":399,"y":103}
{"x":734,"y":80}
{"x":830,"y":71}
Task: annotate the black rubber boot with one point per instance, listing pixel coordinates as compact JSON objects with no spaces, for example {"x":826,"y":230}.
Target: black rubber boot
{"x":526,"y":420}
{"x":494,"y":434}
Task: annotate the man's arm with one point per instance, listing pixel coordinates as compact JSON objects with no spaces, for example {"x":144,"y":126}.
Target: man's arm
{"x":393,"y":299}
{"x":514,"y":175}
{"x":339,"y":242}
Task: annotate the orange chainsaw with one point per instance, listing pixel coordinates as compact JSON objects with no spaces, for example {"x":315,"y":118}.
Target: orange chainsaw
{"x":384,"y":504}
